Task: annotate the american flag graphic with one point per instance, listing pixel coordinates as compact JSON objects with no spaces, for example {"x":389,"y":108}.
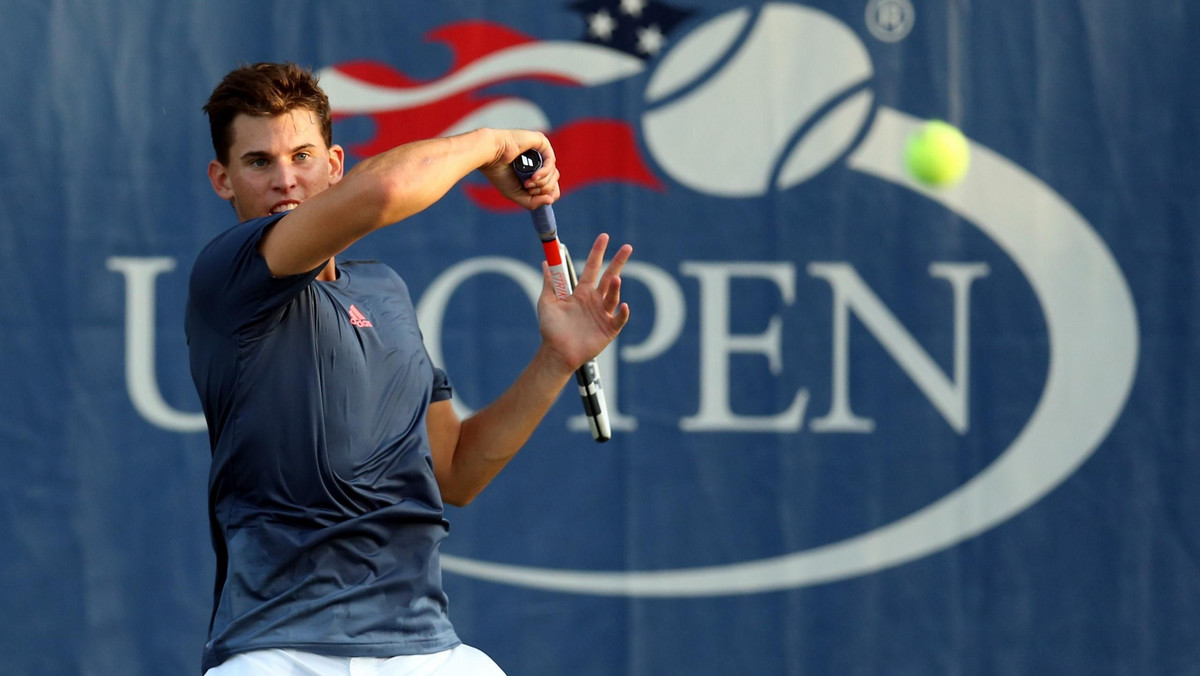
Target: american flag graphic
{"x":618,"y":36}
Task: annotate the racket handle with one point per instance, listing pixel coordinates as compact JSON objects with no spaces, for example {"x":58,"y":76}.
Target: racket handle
{"x":524,"y":167}
{"x":543,"y":222}
{"x":562,"y":275}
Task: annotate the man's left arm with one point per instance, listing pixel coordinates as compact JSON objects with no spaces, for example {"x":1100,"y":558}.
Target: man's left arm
{"x":468,"y":454}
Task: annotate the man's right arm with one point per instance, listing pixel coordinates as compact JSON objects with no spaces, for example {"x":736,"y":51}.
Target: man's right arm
{"x":394,"y":185}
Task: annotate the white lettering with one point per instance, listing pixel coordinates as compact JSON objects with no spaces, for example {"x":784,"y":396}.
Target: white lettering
{"x":948,"y":394}
{"x":717,"y":343}
{"x":851,"y":294}
{"x":140,"y":377}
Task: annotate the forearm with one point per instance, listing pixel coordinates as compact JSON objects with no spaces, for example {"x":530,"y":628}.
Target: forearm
{"x":492,"y":436}
{"x":380,"y":191}
{"x":409,"y":178}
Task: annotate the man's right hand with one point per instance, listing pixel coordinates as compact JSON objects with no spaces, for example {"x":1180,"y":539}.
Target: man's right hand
{"x":541,"y":188}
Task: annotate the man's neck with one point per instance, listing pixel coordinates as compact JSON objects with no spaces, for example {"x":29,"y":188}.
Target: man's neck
{"x":329,"y":274}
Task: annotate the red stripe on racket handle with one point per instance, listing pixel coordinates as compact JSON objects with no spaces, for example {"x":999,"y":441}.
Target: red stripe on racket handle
{"x":553,"y":254}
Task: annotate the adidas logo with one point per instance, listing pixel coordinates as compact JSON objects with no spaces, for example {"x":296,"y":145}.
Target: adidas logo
{"x":358,"y":319}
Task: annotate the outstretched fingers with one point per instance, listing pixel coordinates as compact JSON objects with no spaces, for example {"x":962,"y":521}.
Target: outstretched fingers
{"x":610,"y":283}
{"x":591,"y":269}
{"x":621,"y":314}
{"x":608,"y":288}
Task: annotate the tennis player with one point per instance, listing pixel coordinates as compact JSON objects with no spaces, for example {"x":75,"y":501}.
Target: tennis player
{"x":334,"y":444}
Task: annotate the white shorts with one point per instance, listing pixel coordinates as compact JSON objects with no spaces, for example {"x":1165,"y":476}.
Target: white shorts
{"x":460,"y":661}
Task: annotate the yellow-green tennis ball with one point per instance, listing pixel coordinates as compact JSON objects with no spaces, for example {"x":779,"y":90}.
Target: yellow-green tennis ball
{"x":937,"y":154}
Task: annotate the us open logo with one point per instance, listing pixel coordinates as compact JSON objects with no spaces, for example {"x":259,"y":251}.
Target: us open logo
{"x":729,"y":73}
{"x":751,"y":71}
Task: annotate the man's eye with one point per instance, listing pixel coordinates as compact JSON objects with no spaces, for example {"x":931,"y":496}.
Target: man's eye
{"x":302,"y":156}
{"x":259,"y":163}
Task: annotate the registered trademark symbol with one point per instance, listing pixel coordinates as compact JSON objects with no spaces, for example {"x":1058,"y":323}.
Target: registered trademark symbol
{"x":890,"y":20}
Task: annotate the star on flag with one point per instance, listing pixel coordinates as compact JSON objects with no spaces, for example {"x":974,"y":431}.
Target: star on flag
{"x":637,"y":27}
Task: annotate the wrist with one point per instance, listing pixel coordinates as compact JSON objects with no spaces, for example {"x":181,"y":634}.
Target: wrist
{"x":554,"y":364}
{"x":492,"y":147}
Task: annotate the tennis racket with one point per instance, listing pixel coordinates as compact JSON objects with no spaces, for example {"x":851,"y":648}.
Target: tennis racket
{"x":562,"y":277}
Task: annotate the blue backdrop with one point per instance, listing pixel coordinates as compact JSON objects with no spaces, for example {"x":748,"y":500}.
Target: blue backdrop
{"x":861,"y":425}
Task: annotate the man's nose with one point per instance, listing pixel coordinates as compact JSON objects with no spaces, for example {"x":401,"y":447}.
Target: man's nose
{"x":284,"y":177}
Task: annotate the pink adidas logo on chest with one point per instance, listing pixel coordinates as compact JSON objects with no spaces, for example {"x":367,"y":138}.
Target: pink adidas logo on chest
{"x":357,"y":318}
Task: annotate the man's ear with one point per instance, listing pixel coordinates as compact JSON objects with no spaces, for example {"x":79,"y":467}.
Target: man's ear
{"x":337,"y":163}
{"x":218,"y":175}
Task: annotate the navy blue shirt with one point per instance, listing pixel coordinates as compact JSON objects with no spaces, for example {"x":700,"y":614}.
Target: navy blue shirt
{"x":326,"y":517}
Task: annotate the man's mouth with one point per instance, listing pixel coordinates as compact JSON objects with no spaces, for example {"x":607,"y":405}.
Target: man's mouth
{"x":282,"y":207}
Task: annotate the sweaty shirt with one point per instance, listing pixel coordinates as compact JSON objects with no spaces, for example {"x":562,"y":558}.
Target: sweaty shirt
{"x":326,"y":517}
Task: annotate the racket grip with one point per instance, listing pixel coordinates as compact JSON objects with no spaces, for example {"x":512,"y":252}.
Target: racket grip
{"x":543,"y":222}
{"x":526,"y":164}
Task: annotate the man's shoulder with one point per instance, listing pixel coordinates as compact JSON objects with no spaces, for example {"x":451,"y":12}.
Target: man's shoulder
{"x":236,"y":237}
{"x":230,"y":283}
{"x":372,"y":277}
{"x":366,"y":264}
{"x":369,"y":268}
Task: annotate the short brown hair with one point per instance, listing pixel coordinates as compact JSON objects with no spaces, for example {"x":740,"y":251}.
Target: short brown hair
{"x":263,"y":89}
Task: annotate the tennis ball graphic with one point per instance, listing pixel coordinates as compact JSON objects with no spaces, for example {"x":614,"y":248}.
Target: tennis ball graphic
{"x":749,"y":101}
{"x":937,"y":154}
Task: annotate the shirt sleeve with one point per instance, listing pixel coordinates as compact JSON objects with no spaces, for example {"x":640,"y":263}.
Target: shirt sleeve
{"x":441,"y":385}
{"x":232,"y":288}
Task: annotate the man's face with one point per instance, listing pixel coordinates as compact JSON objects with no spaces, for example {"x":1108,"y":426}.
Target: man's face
{"x":275,"y":163}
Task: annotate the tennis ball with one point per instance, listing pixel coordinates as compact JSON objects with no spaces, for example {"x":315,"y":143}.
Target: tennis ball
{"x":937,"y":154}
